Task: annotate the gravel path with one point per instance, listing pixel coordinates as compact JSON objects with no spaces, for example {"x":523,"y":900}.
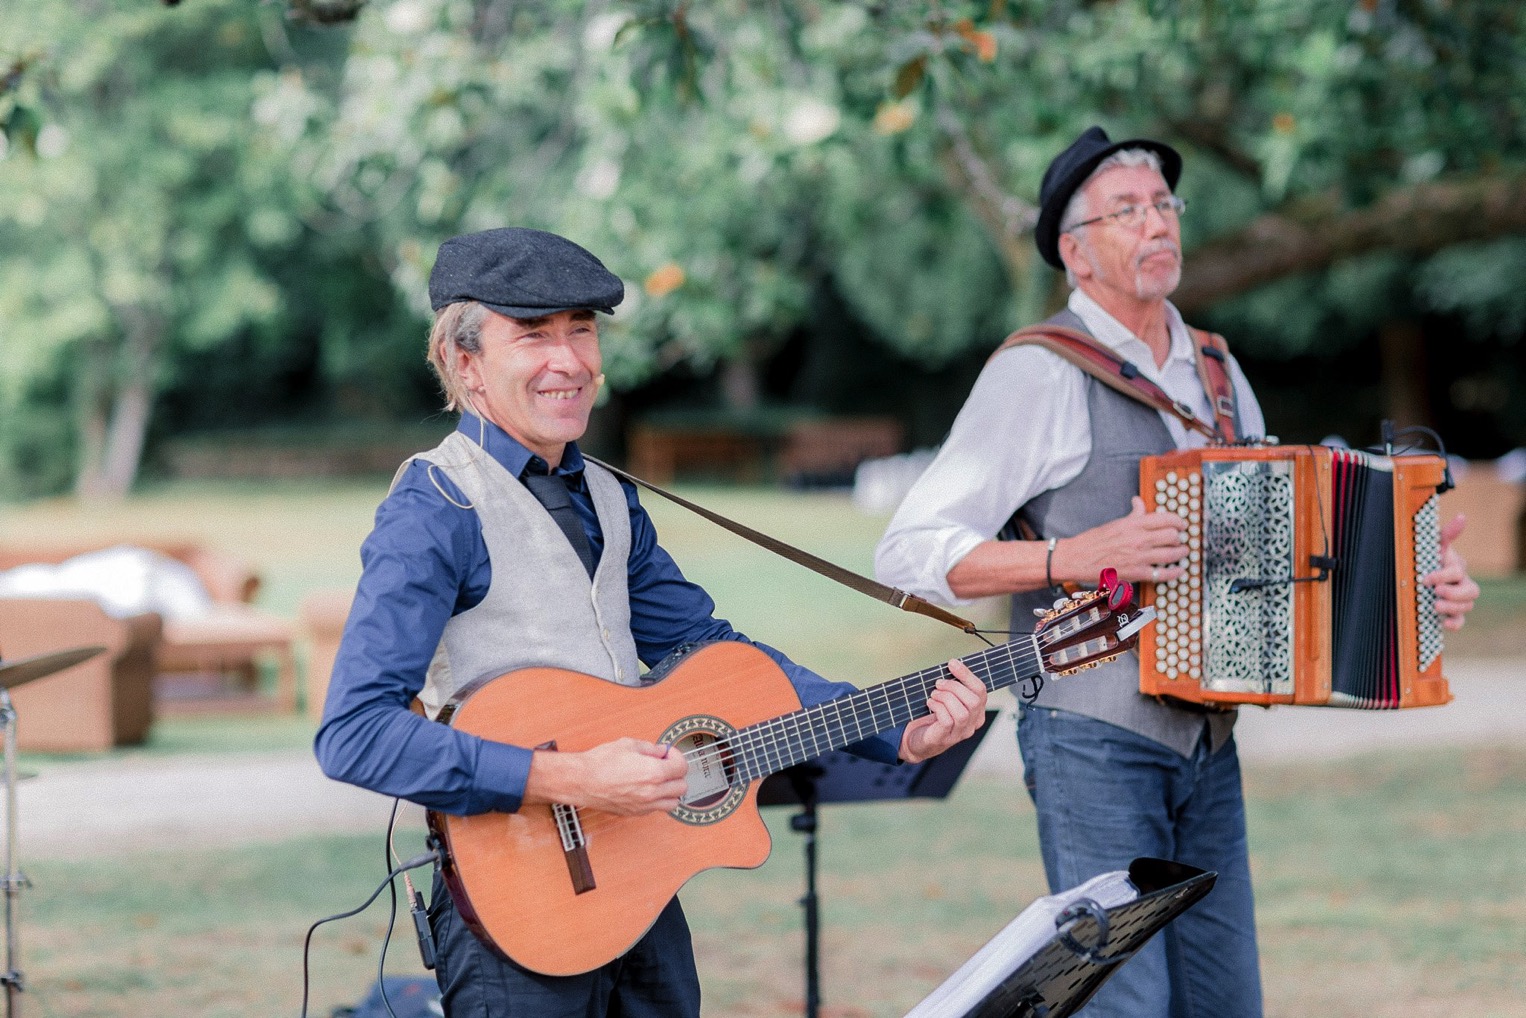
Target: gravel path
{"x":84,"y":809}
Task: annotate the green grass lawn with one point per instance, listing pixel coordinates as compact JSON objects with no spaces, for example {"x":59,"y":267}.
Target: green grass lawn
{"x":1387,"y":886}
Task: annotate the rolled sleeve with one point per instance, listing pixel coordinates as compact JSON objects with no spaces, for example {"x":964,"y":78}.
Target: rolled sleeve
{"x":1015,"y":437}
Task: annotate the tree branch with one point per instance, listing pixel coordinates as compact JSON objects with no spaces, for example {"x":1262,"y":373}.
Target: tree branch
{"x":1008,"y":218}
{"x":1418,"y":219}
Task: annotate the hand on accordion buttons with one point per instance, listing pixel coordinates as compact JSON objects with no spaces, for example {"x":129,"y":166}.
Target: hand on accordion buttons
{"x":1142,"y":546}
{"x":1455,"y":590}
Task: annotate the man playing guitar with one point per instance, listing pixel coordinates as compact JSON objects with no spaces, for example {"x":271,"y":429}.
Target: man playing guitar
{"x":504,"y":549}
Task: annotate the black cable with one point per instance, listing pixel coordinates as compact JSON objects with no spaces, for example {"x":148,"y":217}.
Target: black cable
{"x":381,"y":963}
{"x":426,"y":859}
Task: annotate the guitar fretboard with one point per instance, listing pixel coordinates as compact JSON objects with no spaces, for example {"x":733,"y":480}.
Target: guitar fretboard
{"x":771,"y":746}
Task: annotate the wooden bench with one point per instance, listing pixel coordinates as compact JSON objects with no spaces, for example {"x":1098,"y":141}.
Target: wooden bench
{"x":832,"y":448}
{"x":659,"y":453}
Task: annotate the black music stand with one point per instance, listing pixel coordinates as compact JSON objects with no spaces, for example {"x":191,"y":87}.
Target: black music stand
{"x":843,"y":777}
{"x":1052,"y":958}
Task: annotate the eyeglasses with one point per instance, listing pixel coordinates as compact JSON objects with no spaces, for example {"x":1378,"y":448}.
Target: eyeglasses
{"x":1132,"y":217}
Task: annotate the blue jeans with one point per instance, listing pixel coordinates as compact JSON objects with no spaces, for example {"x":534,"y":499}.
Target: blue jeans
{"x":1105,"y":796}
{"x":654,"y":979}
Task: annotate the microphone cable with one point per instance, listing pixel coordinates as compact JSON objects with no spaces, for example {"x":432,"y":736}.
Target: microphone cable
{"x":426,"y":859}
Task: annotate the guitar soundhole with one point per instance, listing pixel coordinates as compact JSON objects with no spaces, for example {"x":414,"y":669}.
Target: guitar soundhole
{"x":710,"y":769}
{"x":713,"y":792}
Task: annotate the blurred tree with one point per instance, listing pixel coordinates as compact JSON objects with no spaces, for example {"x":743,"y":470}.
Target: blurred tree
{"x":134,"y":224}
{"x":1353,"y":167}
{"x":729,"y":156}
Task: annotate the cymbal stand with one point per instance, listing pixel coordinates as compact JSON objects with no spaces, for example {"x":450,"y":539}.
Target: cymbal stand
{"x":14,"y":879}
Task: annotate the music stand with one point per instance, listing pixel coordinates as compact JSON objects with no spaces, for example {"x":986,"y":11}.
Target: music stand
{"x":1058,"y":952}
{"x":843,"y":777}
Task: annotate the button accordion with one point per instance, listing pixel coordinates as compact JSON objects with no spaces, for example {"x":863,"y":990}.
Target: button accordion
{"x":1302,"y":583}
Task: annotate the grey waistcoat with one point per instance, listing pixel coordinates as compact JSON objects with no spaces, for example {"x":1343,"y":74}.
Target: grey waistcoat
{"x":1123,"y":431}
{"x":541,"y":609}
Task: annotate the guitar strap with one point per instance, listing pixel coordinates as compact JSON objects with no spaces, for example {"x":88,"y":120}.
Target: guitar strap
{"x":1123,"y":376}
{"x":847,"y":577}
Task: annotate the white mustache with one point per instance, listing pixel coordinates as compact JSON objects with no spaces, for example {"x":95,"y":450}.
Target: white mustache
{"x":1157,"y":247}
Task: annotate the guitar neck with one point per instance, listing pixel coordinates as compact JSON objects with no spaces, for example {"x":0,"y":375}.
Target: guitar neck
{"x":771,"y":746}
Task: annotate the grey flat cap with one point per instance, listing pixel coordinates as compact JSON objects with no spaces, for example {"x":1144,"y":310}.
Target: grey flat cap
{"x":522,"y":273}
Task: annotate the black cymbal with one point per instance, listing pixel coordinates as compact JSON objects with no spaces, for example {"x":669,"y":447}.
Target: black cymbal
{"x":14,"y":673}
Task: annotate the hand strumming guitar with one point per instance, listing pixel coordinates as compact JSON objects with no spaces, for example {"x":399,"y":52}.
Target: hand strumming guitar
{"x":628,"y":777}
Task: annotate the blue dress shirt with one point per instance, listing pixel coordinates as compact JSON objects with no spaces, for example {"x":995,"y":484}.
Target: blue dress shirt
{"x":425,"y":562}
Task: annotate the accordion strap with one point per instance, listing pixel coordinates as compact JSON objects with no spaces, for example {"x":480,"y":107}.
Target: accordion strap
{"x":1124,"y":376}
{"x":1213,"y":368}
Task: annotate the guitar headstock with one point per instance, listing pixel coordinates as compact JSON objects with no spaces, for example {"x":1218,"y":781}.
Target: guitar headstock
{"x":1090,"y":627}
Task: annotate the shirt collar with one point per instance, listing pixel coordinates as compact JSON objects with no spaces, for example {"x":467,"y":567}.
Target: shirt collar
{"x":507,"y":450}
{"x":1112,"y":333}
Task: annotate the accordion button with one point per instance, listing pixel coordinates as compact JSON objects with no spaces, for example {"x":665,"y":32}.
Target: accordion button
{"x":1171,"y":476}
{"x":1160,"y":498}
{"x":1196,"y":673}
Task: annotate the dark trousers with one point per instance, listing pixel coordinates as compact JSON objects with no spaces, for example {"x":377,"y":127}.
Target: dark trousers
{"x":654,"y":979}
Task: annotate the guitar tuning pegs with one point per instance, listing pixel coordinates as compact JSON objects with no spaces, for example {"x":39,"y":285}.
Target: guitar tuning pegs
{"x":1060,"y":604}
{"x":1040,"y":613}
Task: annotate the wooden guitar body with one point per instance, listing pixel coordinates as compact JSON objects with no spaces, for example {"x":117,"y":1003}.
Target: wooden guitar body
{"x":562,"y":890}
{"x":508,"y":872}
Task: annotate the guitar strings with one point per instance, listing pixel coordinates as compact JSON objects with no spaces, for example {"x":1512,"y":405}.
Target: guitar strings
{"x":768,"y":746}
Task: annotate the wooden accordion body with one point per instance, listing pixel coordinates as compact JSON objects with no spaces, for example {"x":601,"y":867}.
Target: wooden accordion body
{"x":1354,"y":531}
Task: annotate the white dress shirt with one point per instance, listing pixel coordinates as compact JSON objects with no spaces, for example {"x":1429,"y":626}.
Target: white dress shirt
{"x":1024,"y":430}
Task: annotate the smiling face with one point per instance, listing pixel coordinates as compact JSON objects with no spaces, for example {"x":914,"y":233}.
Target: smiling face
{"x":535,"y":378}
{"x":1114,"y":263}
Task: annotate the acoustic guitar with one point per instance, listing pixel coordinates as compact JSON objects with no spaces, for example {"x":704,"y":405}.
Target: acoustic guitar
{"x":562,"y":890}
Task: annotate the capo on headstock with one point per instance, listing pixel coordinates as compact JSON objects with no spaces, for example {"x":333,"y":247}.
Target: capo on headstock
{"x":1090,"y":627}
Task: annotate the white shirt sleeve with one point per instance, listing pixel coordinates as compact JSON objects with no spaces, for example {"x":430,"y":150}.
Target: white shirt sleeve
{"x":1023,"y":430}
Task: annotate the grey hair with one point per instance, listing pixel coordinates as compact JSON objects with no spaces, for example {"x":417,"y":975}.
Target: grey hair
{"x":1079,"y":209}
{"x":456,"y":326}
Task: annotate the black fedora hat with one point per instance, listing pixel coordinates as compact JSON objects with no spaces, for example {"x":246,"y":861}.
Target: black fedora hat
{"x":1069,"y":171}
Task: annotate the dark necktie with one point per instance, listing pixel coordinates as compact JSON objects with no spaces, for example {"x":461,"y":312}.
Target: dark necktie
{"x":551,"y":492}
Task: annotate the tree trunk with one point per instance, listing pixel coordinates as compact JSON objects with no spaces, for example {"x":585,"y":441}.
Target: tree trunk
{"x":740,"y":388}
{"x":115,"y":445}
{"x":1310,"y":236}
{"x":93,"y":406}
{"x":1402,"y":348}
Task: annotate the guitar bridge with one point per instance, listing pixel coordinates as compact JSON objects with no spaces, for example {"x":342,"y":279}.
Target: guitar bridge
{"x":569,"y":827}
{"x":574,"y":846}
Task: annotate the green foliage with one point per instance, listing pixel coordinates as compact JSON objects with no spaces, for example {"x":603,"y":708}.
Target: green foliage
{"x":760,"y":148}
{"x":216,"y":200}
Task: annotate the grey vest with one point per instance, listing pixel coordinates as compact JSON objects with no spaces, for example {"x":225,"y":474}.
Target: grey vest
{"x":1123,"y":431}
{"x":541,"y":609}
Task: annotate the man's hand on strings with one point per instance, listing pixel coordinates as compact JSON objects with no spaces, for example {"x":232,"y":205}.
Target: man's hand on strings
{"x":1455,"y":590}
{"x":628,"y":777}
{"x":958,"y":708}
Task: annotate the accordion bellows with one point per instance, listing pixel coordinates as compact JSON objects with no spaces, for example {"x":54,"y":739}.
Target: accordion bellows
{"x":1303,"y":578}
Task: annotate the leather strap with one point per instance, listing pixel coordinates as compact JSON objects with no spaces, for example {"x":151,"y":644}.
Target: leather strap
{"x":879,"y":591}
{"x":1213,"y":368}
{"x":1121,"y":375}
